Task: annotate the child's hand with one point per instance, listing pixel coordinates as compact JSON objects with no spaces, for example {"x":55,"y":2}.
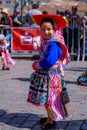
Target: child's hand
{"x":36,"y":42}
{"x":35,"y":65}
{"x":35,"y":46}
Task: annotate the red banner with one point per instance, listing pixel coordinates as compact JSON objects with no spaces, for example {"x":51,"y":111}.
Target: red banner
{"x":22,"y":38}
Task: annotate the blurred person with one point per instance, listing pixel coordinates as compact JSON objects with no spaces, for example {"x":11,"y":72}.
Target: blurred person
{"x":74,"y":19}
{"x":5,"y":21}
{"x":84,"y":22}
{"x":83,"y":39}
{"x":16,"y":23}
{"x":26,"y":24}
{"x":8,"y":39}
{"x":5,"y":56}
{"x":65,"y":30}
{"x":57,"y":12}
{"x":82,"y":79}
{"x":75,"y":27}
{"x":67,"y":14}
{"x":44,"y":12}
{"x":15,"y":18}
{"x":62,"y":13}
{"x":31,"y":12}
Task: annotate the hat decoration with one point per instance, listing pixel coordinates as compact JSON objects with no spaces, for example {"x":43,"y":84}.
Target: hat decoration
{"x":60,"y":21}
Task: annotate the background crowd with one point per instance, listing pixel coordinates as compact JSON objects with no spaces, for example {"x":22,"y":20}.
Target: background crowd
{"x":73,"y":19}
{"x":16,"y":20}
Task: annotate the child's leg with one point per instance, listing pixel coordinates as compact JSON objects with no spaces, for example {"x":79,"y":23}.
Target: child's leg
{"x":49,"y":119}
{"x":4,"y":62}
{"x":47,"y":122}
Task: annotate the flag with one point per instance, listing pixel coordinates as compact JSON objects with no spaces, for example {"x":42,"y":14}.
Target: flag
{"x":25,"y":2}
{"x":16,"y":4}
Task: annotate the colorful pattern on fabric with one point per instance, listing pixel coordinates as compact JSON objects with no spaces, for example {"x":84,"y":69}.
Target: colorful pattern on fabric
{"x":6,"y":56}
{"x":53,"y":106}
{"x":60,"y":38}
{"x":65,"y":95}
{"x":43,"y":48}
{"x":48,"y":87}
{"x":82,"y":79}
{"x":39,"y":42}
{"x":38,"y":90}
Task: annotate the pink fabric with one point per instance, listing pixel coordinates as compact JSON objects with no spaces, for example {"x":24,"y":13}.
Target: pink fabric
{"x":60,"y":38}
{"x":53,"y":105}
{"x":7,"y":59}
{"x":10,"y":21}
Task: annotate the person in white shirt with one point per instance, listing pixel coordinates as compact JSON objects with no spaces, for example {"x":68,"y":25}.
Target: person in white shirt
{"x":31,"y":12}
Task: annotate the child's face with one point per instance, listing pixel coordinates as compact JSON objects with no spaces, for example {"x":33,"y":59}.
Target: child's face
{"x":3,"y":41}
{"x":47,"y":30}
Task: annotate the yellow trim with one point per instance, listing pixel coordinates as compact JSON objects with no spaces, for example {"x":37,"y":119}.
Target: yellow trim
{"x":33,"y":20}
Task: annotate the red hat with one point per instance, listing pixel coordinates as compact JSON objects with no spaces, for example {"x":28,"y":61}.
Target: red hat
{"x":57,"y":18}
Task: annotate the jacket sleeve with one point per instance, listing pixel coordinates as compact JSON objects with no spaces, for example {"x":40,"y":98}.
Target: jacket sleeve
{"x":52,"y":55}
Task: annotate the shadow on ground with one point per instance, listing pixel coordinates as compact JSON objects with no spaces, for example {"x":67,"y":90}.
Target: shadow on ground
{"x":77,"y":69}
{"x":21,"y":79}
{"x":31,"y":121}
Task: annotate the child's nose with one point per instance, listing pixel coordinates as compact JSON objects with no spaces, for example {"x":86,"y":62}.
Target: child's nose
{"x":46,"y":31}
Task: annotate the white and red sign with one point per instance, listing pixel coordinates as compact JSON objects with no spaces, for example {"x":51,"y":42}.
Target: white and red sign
{"x":22,"y":39}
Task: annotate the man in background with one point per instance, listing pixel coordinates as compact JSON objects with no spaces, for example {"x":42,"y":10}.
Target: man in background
{"x":31,"y":12}
{"x":74,"y":19}
{"x":74,"y":30}
{"x":15,"y":18}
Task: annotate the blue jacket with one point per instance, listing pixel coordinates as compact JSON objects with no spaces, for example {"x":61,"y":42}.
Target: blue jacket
{"x":51,"y":56}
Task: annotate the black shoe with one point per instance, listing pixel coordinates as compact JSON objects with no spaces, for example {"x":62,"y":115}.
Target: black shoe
{"x":7,"y":68}
{"x":43,"y":120}
{"x":48,"y":125}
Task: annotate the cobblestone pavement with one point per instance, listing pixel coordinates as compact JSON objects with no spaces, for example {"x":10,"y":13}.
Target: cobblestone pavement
{"x":17,"y":114}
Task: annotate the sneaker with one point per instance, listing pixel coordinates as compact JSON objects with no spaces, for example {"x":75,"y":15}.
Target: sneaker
{"x":7,"y":68}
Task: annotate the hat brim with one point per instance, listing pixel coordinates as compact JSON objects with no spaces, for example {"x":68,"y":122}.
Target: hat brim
{"x":4,"y":12}
{"x":60,"y":21}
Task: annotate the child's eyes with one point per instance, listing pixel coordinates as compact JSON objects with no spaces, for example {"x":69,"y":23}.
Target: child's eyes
{"x":49,"y":29}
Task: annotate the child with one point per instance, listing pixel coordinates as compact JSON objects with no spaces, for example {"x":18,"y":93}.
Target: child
{"x":47,"y":75}
{"x":82,"y":79}
{"x":5,"y":56}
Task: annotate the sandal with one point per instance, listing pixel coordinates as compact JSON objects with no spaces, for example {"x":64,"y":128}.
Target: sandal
{"x":47,"y":125}
{"x":3,"y":68}
{"x":42,"y":120}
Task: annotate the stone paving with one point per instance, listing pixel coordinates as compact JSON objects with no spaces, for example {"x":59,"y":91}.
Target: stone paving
{"x":17,"y":114}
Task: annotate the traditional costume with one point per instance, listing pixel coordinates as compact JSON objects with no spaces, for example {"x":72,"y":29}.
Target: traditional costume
{"x":45,"y":83}
{"x":5,"y":56}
